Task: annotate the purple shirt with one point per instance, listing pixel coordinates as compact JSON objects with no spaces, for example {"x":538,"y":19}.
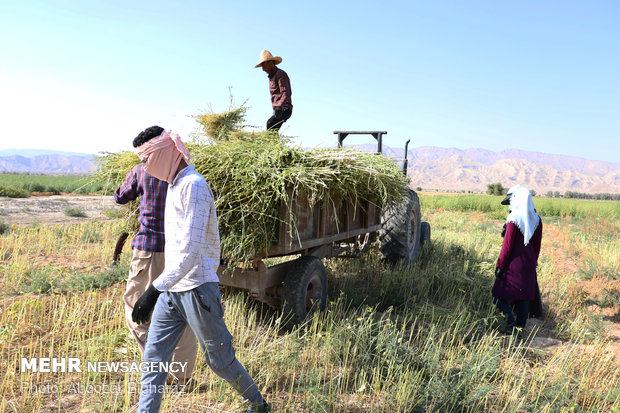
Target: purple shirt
{"x":152,"y":194}
{"x":519,"y":262}
{"x":280,"y":89}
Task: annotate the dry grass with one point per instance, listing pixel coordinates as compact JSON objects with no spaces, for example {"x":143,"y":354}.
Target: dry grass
{"x":414,"y":339}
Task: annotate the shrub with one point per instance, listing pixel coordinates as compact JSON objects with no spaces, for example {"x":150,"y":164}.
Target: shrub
{"x":4,"y":227}
{"x":13,"y":192}
{"x":75,"y":212}
{"x":40,"y":281}
{"x":496,"y":189}
{"x":36,"y":187}
{"x":113,"y":213}
{"x":103,"y":279}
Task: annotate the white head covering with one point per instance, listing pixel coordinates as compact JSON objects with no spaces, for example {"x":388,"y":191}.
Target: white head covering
{"x":522,"y":212}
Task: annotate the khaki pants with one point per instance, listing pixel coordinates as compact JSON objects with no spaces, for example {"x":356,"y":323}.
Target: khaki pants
{"x":144,"y":268}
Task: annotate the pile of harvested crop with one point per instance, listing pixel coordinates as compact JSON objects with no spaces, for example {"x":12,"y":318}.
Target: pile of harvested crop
{"x":251,"y":177}
{"x":251,"y":174}
{"x":111,"y":173}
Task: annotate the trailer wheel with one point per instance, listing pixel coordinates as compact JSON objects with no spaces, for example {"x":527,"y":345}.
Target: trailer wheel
{"x":400,"y":235}
{"x":305,"y":288}
{"x":425,"y":235}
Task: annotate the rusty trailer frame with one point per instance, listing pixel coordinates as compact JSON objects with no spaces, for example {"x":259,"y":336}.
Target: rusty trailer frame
{"x":322,"y":230}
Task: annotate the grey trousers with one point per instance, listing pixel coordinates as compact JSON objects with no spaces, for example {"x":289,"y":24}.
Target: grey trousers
{"x":144,"y":268}
{"x":201,"y":309}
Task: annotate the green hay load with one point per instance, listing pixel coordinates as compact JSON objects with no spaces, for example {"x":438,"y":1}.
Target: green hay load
{"x":252,"y":174}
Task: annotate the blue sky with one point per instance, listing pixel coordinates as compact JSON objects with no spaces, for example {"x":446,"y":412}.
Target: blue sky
{"x":544,"y":76}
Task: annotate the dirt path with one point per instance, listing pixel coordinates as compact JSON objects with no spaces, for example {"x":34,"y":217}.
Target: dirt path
{"x":50,"y":209}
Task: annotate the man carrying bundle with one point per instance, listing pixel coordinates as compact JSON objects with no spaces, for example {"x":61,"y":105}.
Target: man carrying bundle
{"x":187,"y":292}
{"x":147,"y":261}
{"x":279,"y":88}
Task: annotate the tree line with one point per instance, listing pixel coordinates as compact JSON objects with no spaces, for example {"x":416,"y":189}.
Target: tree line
{"x":498,"y":189}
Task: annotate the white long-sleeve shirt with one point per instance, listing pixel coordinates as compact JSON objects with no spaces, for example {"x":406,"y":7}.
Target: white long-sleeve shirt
{"x":192,"y":250}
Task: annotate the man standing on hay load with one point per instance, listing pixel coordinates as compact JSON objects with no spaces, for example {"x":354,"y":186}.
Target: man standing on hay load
{"x":147,"y":261}
{"x":279,"y":88}
{"x":187,"y":292}
{"x":516,"y":281}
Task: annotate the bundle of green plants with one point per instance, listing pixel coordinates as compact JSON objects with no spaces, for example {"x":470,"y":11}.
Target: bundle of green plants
{"x":110,"y":174}
{"x":253,"y":174}
{"x":220,"y":126}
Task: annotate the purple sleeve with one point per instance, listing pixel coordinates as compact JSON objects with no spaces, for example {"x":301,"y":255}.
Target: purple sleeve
{"x":537,"y":239}
{"x":285,"y":89}
{"x":128,"y":191}
{"x":509,"y":240}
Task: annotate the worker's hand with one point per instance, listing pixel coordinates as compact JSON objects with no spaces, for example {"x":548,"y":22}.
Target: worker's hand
{"x":278,"y":112}
{"x":143,"y":308}
{"x":504,"y":230}
{"x":498,"y":273}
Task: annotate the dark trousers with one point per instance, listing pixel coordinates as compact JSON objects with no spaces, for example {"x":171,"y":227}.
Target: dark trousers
{"x":520,"y":308}
{"x":275,"y":123}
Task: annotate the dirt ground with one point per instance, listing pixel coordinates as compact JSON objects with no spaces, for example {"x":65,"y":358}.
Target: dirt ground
{"x":50,"y":209}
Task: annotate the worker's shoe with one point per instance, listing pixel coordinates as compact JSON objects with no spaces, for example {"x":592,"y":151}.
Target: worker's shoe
{"x":503,"y":326}
{"x":189,"y":386}
{"x":261,"y":407}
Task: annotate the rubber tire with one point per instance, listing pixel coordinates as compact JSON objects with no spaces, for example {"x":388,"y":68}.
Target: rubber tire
{"x":400,"y":235}
{"x":305,"y":288}
{"x":425,"y":235}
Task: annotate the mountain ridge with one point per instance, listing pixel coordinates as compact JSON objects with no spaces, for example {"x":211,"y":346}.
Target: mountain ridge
{"x":453,"y":169}
{"x":48,"y":164}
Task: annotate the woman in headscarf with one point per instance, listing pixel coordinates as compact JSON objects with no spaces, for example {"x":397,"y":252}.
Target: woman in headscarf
{"x":515,"y":274}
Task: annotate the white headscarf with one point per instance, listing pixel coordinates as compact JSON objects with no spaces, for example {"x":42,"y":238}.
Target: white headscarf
{"x":522,"y":212}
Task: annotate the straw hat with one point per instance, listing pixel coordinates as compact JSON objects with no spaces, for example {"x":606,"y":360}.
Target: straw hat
{"x":266,"y":56}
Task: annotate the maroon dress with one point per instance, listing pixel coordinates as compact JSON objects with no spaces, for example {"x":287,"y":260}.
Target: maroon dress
{"x":519,"y":261}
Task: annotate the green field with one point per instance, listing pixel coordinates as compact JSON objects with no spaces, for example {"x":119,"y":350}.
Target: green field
{"x":55,"y":184}
{"x":546,"y":207}
{"x":418,"y":338}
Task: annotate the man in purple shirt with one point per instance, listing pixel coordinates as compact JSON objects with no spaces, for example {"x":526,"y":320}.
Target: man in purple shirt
{"x":147,"y":261}
{"x":280,"y":89}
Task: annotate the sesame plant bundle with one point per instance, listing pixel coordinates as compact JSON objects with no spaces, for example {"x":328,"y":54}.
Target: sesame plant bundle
{"x":253,"y":173}
{"x":113,"y":166}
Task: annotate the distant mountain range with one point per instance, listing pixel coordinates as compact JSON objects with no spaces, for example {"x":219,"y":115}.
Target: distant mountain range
{"x":430,"y":167}
{"x":35,"y":152}
{"x":46,"y":161}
